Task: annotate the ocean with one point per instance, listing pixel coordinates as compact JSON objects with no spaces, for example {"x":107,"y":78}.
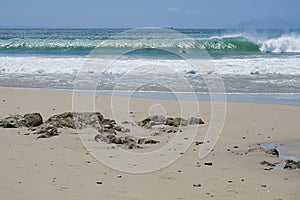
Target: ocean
{"x":152,"y":60}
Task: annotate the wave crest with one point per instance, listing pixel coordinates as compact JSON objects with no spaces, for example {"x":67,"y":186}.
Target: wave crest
{"x":287,"y":43}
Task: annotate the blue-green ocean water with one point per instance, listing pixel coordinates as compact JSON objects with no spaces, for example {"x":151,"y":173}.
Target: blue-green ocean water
{"x":248,"y":61}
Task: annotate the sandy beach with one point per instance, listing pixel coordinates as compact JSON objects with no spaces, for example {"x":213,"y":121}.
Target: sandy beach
{"x":61,"y":168}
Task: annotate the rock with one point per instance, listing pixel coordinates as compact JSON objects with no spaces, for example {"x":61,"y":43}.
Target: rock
{"x":133,"y":145}
{"x":62,"y":120}
{"x":269,"y":169}
{"x":14,"y":121}
{"x":101,"y":137}
{"x":118,"y":140}
{"x":208,"y":163}
{"x":263,"y":185}
{"x":141,"y":141}
{"x":88,"y":119}
{"x":17,"y":121}
{"x":197,"y":185}
{"x":150,"y":141}
{"x":152,"y":121}
{"x":76,"y":120}
{"x":178,"y":121}
{"x":118,"y":128}
{"x":267,"y":163}
{"x":195,"y":120}
{"x":273,"y":152}
{"x":198,"y":143}
{"x":108,"y":122}
{"x":46,"y":132}
{"x":33,"y":119}
{"x":291,"y":164}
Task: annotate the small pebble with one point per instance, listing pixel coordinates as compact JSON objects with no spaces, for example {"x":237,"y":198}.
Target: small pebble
{"x":208,"y":163}
{"x":263,"y":185}
{"x":197,"y":185}
{"x":198,"y":143}
{"x":119,"y":176}
{"x":268,"y":169}
{"x":235,"y":147}
{"x":99,"y":182}
{"x":243,"y":138}
{"x":230,"y":181}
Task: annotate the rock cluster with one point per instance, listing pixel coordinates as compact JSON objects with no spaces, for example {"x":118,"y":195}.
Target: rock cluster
{"x":272,"y":151}
{"x":291,"y":164}
{"x":109,"y":130}
{"x":154,"y":120}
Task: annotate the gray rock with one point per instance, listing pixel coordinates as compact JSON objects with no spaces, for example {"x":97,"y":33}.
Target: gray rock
{"x":46,"y":132}
{"x":62,"y":120}
{"x":267,"y":163}
{"x":195,"y":120}
{"x":76,"y":120}
{"x":178,"y":121}
{"x":150,"y":141}
{"x":14,"y":121}
{"x":273,"y":152}
{"x":33,"y":119}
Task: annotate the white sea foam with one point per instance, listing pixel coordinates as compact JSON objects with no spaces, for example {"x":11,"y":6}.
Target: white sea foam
{"x":71,"y":65}
{"x":285,"y":43}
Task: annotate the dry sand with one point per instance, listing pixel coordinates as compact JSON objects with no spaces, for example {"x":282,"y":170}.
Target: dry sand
{"x":61,"y":168}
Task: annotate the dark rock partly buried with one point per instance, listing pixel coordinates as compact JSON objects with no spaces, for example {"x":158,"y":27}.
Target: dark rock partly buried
{"x":267,"y":163}
{"x":150,"y":141}
{"x":33,"y":119}
{"x":14,"y":121}
{"x":291,"y":164}
{"x":208,"y":163}
{"x":17,"y":121}
{"x":151,"y":121}
{"x":273,"y":152}
{"x":76,"y":120}
{"x":195,"y":120}
{"x":46,"y":132}
{"x":178,"y":121}
{"x":62,"y":120}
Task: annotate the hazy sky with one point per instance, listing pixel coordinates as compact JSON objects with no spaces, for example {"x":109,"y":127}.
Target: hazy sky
{"x":150,"y":13}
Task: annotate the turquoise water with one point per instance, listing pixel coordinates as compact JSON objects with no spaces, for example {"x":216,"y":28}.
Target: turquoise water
{"x":82,"y":41}
{"x":247,"y":61}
